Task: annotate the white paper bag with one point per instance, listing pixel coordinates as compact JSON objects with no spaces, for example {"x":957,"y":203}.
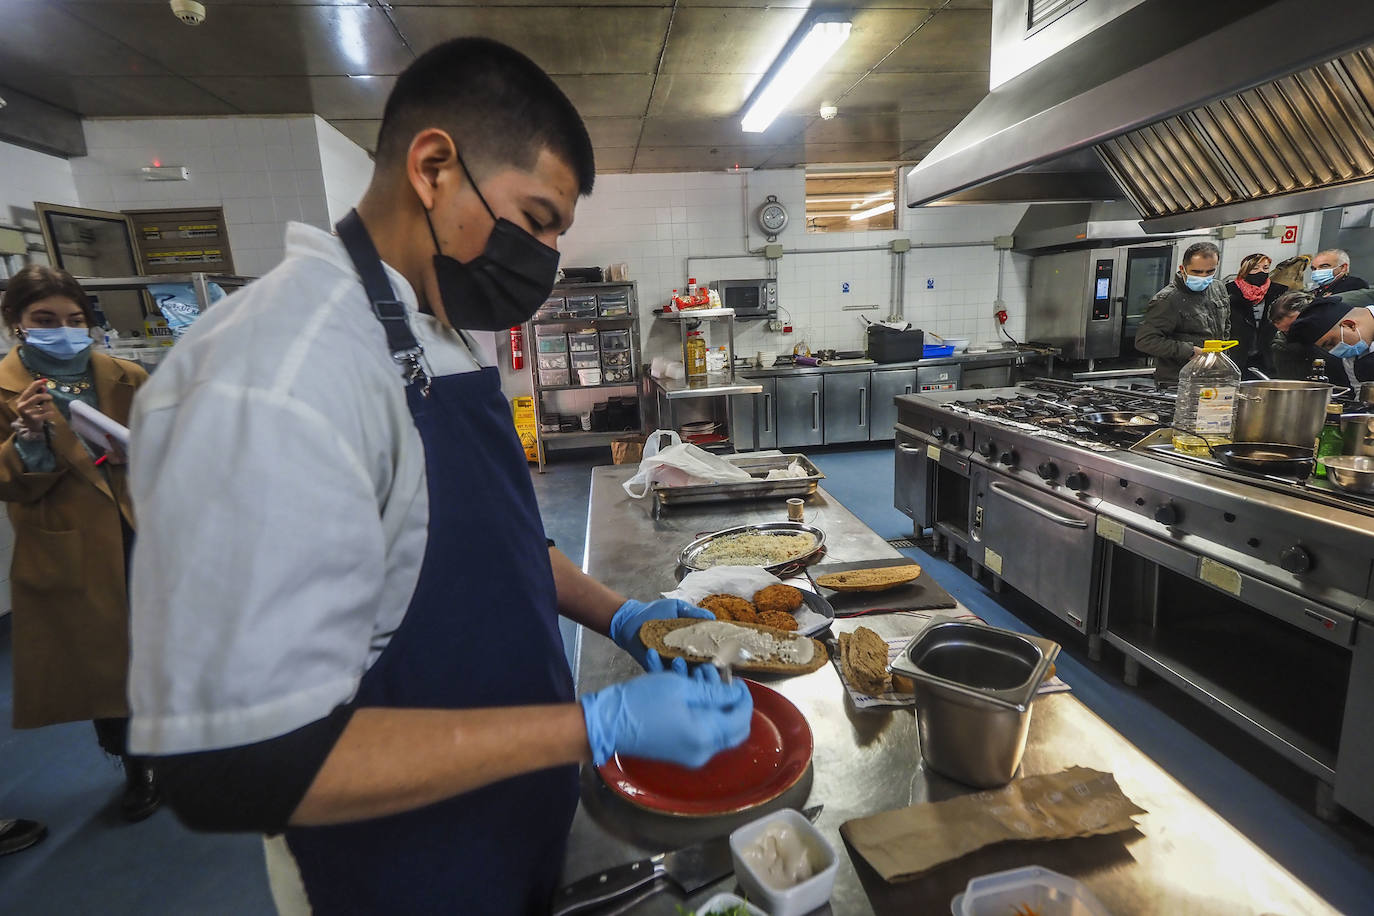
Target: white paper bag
{"x":679,"y":464}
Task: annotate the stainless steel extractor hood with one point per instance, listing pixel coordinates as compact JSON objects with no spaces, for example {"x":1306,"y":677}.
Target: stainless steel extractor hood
{"x":1197,"y":114}
{"x":1064,"y":226}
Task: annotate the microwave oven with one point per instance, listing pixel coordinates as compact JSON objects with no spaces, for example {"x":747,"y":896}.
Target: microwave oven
{"x":751,"y":299}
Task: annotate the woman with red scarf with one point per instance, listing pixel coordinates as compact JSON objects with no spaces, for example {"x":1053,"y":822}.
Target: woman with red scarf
{"x":1252,"y":296}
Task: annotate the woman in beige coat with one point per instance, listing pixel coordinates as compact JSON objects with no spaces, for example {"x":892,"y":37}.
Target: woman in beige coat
{"x":73,"y":524}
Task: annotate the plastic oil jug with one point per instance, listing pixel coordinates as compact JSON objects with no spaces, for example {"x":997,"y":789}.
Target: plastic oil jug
{"x":696,"y":355}
{"x":1206,"y":403}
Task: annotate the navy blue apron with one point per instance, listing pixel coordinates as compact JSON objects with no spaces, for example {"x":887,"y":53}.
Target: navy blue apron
{"x":481,"y":630}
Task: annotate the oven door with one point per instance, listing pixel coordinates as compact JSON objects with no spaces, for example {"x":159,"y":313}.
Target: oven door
{"x":1044,"y":547}
{"x":913,"y":483}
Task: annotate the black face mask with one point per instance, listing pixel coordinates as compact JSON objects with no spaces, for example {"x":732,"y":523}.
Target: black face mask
{"x":501,"y":287}
{"x":1257,"y":277}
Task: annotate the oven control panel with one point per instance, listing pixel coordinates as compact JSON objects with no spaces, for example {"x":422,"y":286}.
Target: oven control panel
{"x":1041,"y":463}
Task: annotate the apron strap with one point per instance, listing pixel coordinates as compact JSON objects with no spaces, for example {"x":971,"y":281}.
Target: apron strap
{"x":390,"y":311}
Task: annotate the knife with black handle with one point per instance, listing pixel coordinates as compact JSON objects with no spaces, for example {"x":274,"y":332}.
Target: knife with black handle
{"x":691,"y":868}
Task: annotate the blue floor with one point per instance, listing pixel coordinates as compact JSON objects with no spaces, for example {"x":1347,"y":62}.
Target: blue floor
{"x":94,"y":863}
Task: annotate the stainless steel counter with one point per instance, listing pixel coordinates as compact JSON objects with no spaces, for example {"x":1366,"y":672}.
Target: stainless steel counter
{"x":990,"y":358}
{"x":1183,"y":859}
{"x":713,"y":385}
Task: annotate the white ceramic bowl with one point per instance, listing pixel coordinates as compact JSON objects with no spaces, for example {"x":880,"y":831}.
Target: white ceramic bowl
{"x":799,"y":898}
{"x":960,"y":344}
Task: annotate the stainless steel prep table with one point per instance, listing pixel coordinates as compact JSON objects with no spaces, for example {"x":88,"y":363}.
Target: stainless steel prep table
{"x":1184,"y":859}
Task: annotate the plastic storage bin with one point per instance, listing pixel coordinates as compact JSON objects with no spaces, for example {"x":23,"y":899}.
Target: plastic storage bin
{"x":616,"y":376}
{"x":583,"y":342}
{"x":552,"y":307}
{"x":586,"y":359}
{"x":549,"y":378}
{"x":588,"y":377}
{"x":800,"y":898}
{"x":614,"y":305}
{"x":930,"y":351}
{"x":550,"y":343}
{"x":553,"y":360}
{"x":615,"y":359}
{"x":615,"y":340}
{"x":581,"y":306}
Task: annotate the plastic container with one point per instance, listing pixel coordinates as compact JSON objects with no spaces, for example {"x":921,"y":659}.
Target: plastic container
{"x":588,"y":377}
{"x":799,"y":898}
{"x":586,"y":359}
{"x":553,"y":360}
{"x":613,"y":305}
{"x":615,"y":340}
{"x":696,"y":355}
{"x":617,"y":376}
{"x":726,"y":903}
{"x":716,"y":360}
{"x":553,"y":342}
{"x":583,"y":342}
{"x":552,"y":307}
{"x":1205,"y":408}
{"x":1043,"y":892}
{"x":582,"y":306}
{"x":549,"y":378}
{"x":615,"y":359}
{"x":931,"y":351}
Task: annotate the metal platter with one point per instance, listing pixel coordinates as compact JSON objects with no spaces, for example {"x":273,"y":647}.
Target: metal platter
{"x":688,"y":559}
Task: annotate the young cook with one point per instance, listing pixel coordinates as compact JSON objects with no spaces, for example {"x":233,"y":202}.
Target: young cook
{"x":345,"y":609}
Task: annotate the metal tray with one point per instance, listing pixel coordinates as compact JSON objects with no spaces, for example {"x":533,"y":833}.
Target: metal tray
{"x":687,"y":559}
{"x":747,"y":489}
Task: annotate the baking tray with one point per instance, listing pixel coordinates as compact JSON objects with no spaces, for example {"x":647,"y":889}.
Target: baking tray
{"x":921,"y":594}
{"x":747,"y":489}
{"x":687,"y":559}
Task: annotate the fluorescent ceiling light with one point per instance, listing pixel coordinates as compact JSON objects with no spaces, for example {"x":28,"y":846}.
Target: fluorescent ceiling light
{"x":362,"y":76}
{"x":868,"y":200}
{"x":804,"y":62}
{"x":875,"y":211}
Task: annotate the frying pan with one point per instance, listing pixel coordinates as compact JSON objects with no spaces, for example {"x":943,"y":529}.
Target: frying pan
{"x":1121,"y":421}
{"x":1266,"y":458}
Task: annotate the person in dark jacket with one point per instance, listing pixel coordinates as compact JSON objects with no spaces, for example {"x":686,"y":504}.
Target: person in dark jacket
{"x":1331,"y":274}
{"x":1185,"y":314}
{"x":1289,"y":358}
{"x":1342,"y":329}
{"x":1253,"y":295}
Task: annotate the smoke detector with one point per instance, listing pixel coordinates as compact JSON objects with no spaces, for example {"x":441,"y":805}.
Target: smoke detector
{"x":188,"y":11}
{"x":828,"y":112}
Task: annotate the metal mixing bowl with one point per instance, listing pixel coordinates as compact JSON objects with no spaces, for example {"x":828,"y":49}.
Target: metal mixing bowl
{"x":1354,"y":474}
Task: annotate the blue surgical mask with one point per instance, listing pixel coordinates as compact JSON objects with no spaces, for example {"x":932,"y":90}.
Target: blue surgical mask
{"x":1345,"y":350}
{"x":1197,"y":284}
{"x":1323,"y":275}
{"x":62,"y":343}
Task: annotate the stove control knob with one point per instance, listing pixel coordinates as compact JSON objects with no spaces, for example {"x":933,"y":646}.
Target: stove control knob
{"x":987,"y":449}
{"x":1167,"y":514}
{"x":1295,"y":559}
{"x":1077,"y":481}
{"x":956,"y":439}
{"x":1009,"y":458}
{"x":939,"y":433}
{"x":1048,"y":470}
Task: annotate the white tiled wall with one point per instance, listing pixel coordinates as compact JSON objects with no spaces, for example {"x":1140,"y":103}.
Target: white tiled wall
{"x":263,"y":171}
{"x":657,"y":222}
{"x":347,"y":170}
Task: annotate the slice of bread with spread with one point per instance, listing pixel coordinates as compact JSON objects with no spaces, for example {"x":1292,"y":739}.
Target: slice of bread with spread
{"x":771,"y":651}
{"x":870,"y":580}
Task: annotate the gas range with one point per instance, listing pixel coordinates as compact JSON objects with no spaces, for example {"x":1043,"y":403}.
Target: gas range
{"x":1051,"y":409}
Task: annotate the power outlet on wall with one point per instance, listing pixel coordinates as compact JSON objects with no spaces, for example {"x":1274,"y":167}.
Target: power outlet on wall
{"x":775,"y":325}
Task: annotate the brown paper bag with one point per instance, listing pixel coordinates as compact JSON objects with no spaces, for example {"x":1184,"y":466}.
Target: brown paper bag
{"x":627,"y":449}
{"x":1077,"y":802}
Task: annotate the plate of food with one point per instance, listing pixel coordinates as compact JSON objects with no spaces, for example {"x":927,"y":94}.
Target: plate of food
{"x":769,"y":762}
{"x":752,"y":595}
{"x":774,"y":546}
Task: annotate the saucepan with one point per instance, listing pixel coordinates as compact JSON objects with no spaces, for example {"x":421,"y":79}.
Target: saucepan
{"x":1277,"y":458}
{"x":1365,"y":393}
{"x":1357,"y":434}
{"x":1123,"y":421}
{"x":1280,"y":412}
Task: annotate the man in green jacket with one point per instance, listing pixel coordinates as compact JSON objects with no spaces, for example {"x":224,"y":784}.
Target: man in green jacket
{"x":1186,"y":313}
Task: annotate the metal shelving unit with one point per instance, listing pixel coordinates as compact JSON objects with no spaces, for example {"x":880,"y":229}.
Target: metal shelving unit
{"x":582,"y":438}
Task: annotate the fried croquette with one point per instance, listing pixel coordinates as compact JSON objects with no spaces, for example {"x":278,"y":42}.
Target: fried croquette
{"x":779,"y":620}
{"x":729,"y":607}
{"x":778,"y":597}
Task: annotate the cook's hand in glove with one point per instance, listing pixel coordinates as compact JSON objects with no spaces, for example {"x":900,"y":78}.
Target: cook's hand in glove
{"x":668,"y":715}
{"x":634,"y":614}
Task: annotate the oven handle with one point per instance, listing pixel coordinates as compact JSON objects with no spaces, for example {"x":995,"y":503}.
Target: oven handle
{"x":1064,"y":520}
{"x":902,"y":446}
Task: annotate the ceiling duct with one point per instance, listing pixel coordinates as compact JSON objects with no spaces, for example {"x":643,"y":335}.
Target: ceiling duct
{"x":1261,"y":114}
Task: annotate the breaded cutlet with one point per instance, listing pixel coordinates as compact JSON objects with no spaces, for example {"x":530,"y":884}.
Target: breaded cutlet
{"x":778,"y":597}
{"x":779,"y":620}
{"x":729,"y":607}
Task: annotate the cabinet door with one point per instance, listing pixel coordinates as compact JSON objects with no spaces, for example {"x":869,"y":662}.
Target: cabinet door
{"x":884,"y":385}
{"x":799,"y":411}
{"x":846,"y":407}
{"x":753,"y":418}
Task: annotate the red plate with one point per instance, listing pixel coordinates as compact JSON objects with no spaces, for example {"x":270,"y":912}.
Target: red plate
{"x":767,"y":764}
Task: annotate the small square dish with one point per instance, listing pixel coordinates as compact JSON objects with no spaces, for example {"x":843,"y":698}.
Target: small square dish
{"x":767,"y":850}
{"x":723,"y":904}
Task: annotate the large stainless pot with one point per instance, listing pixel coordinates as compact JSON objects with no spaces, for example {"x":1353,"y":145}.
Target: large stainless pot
{"x":1357,"y":429}
{"x":1281,"y":412}
{"x":1365,"y":392}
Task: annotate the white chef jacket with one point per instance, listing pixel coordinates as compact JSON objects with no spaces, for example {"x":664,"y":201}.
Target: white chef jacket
{"x":279,"y":486}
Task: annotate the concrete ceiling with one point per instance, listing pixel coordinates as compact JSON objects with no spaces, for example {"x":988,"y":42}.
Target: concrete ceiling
{"x":660,"y":83}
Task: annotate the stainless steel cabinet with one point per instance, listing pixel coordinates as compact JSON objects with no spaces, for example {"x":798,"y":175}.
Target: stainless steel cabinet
{"x":799,"y":411}
{"x":754,"y":418}
{"x":846,"y":407}
{"x":938,"y":378}
{"x":884,"y":385}
{"x":987,"y":377}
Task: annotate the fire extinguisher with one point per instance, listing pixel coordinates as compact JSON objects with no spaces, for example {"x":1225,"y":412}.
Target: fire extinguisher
{"x":517,"y":348}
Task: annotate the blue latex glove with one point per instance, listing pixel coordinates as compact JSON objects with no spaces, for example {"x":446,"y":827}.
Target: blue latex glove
{"x":668,"y":715}
{"x":634,"y":614}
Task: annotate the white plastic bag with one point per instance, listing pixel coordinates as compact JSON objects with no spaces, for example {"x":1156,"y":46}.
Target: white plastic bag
{"x":677,"y":465}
